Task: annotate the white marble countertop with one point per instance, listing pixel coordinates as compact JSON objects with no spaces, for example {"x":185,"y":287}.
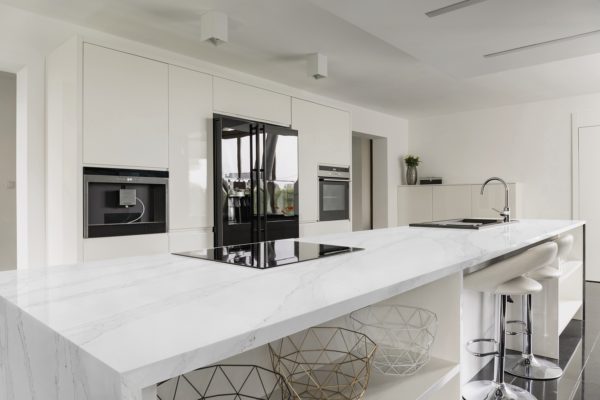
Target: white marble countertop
{"x":152,"y":318}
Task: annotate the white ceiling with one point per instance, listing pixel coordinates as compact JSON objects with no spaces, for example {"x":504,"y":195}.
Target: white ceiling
{"x":383,"y":54}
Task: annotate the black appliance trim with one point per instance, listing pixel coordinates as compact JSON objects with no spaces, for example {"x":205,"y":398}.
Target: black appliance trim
{"x":125,"y":172}
{"x":332,"y":168}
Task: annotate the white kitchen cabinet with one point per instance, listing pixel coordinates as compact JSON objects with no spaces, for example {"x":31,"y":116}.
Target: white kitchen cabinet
{"x":238,"y":99}
{"x":415,"y":204}
{"x":422,"y":203}
{"x":324,"y":228}
{"x":190,"y":149}
{"x":125,"y":109}
{"x":493,"y":197}
{"x":452,"y":201}
{"x":324,"y":137}
{"x":124,"y":246}
{"x":190,"y":240}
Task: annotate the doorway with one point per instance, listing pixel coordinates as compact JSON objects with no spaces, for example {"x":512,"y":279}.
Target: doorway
{"x":362,"y":182}
{"x":8,"y":172}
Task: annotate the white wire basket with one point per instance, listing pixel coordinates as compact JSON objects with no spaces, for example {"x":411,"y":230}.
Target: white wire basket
{"x":404,"y":336}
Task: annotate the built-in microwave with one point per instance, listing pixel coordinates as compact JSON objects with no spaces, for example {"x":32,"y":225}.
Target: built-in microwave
{"x":334,"y":192}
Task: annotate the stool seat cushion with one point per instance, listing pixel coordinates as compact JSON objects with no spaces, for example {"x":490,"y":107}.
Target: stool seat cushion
{"x":546,"y":272}
{"x":519,"y":287}
{"x":490,"y":278}
{"x":565,"y":244}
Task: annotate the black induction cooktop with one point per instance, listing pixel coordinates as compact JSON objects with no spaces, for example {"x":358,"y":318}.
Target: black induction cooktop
{"x":264,"y":255}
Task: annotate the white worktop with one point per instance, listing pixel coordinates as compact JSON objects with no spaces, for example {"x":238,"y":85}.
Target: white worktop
{"x":147,"y":319}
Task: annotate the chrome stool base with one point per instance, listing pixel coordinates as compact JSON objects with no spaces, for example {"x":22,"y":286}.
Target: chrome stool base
{"x":530,"y":367}
{"x":489,"y":390}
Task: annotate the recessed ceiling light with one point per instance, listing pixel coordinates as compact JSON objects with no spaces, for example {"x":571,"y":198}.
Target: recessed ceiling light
{"x":539,"y":44}
{"x":452,"y":7}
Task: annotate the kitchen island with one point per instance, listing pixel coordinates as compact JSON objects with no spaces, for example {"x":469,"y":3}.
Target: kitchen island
{"x":114,"y":329}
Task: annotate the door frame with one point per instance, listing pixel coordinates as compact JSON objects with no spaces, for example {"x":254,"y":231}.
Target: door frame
{"x":582,"y":119}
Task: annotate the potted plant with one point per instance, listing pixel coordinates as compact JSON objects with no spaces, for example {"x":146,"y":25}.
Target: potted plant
{"x":412,"y":162}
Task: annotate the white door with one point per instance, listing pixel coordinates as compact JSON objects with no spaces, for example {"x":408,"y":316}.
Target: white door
{"x":589,"y":196}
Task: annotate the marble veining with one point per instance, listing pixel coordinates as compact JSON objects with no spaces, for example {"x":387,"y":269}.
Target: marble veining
{"x":110,"y":328}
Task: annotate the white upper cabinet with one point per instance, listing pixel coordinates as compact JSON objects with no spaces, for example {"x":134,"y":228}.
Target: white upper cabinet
{"x":190,"y":158}
{"x":238,"y":99}
{"x":324,"y":137}
{"x":125,"y":109}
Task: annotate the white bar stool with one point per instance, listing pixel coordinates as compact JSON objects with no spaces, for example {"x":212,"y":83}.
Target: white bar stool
{"x":527,"y":365}
{"x":505,"y":278}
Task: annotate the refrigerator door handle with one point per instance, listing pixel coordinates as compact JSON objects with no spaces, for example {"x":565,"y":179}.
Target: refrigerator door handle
{"x":264,"y":176}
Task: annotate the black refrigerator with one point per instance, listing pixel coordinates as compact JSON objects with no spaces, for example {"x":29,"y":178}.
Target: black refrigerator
{"x":256,"y":181}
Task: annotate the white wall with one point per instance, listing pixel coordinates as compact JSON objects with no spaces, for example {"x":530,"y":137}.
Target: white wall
{"x":528,"y":143}
{"x":8,"y":170}
{"x":25,"y":40}
{"x":390,"y":144}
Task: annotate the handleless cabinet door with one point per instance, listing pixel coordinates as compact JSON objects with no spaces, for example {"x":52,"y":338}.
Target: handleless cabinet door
{"x":190,"y":154}
{"x":125,"y":109}
{"x":324,"y":137}
{"x":238,"y":99}
{"x":125,"y":246}
{"x":415,"y":204}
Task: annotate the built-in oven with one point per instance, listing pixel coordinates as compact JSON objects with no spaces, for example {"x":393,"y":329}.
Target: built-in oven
{"x":334,"y":192}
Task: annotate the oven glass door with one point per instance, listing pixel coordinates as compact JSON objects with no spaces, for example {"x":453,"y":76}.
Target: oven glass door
{"x":334,"y":199}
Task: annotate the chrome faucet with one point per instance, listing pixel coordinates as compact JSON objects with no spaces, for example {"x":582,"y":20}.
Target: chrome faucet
{"x":505,"y":214}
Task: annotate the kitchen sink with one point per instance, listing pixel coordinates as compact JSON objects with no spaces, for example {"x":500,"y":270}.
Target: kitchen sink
{"x":463,"y":223}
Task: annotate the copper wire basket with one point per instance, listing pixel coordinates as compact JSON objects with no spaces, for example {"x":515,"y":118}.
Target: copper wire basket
{"x":226,"y":382}
{"x":324,"y":363}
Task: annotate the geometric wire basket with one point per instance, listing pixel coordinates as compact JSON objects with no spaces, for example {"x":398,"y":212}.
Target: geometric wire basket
{"x":226,"y":382}
{"x":324,"y":363}
{"x":404,"y":336}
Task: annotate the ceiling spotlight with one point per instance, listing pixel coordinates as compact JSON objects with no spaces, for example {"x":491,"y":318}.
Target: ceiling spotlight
{"x":213,"y":27}
{"x":317,"y":65}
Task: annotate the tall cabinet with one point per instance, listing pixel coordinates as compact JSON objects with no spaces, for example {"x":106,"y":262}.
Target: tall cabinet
{"x":113,"y":109}
{"x":190,"y":159}
{"x":324,"y":137}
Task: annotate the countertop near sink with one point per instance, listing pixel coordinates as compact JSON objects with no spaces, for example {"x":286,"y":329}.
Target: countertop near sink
{"x":108,"y":329}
